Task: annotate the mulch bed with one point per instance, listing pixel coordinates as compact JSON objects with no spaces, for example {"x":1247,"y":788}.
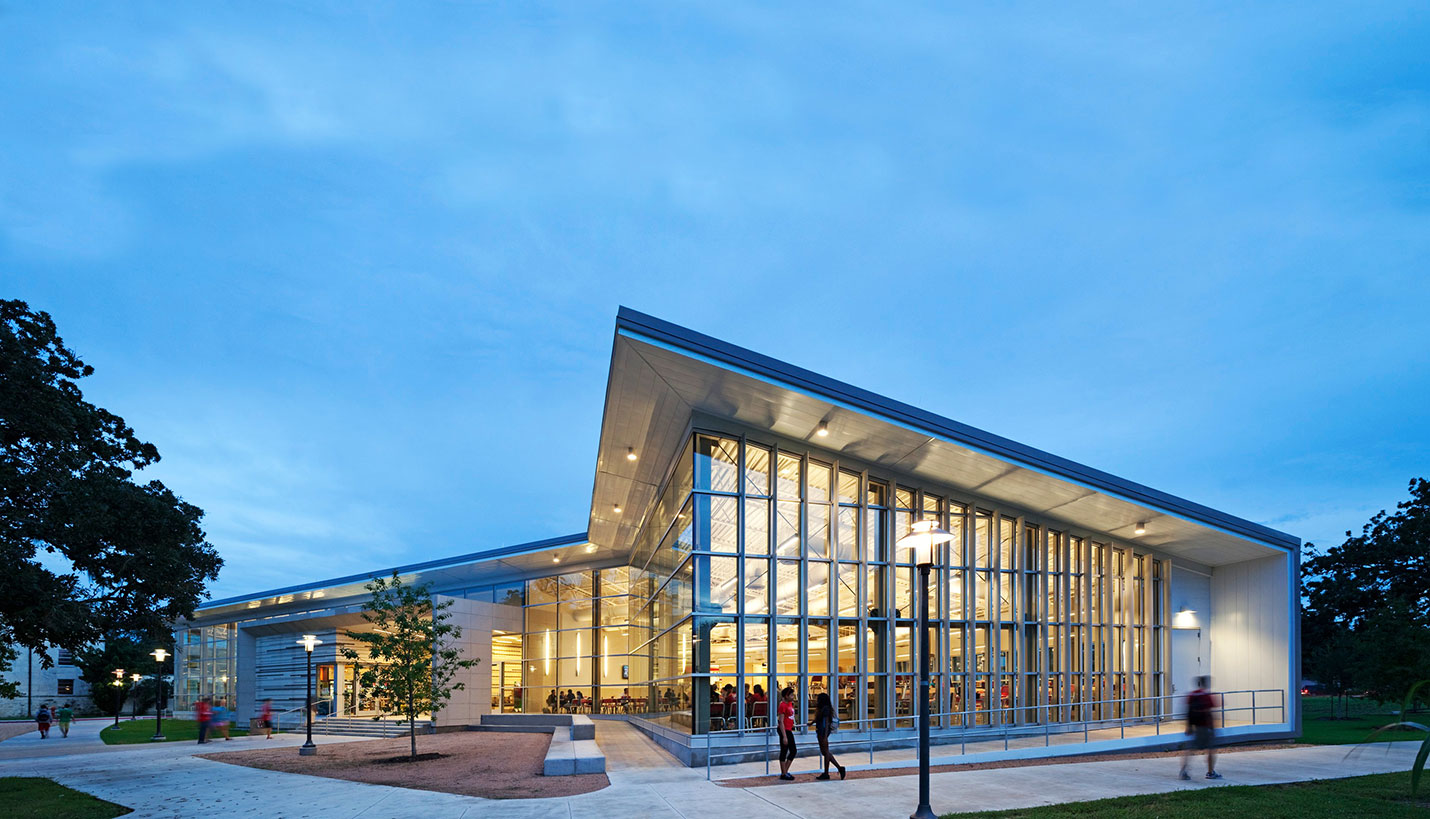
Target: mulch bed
{"x":490,"y":765}
{"x":774,"y":779}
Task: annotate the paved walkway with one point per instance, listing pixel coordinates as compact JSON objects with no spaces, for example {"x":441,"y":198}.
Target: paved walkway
{"x":168,"y":780}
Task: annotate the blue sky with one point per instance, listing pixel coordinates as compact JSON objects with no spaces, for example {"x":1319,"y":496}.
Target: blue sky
{"x":354,"y":268}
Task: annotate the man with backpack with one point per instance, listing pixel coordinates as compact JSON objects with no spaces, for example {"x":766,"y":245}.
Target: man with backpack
{"x":1201,"y":705}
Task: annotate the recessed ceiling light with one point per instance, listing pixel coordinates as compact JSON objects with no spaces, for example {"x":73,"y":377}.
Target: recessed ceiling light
{"x":555,"y":560}
{"x":630,"y":453}
{"x":822,"y":430}
{"x":590,"y":547}
{"x":1141,"y":528}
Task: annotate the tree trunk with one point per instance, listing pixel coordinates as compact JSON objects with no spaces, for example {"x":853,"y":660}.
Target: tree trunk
{"x":412,"y":726}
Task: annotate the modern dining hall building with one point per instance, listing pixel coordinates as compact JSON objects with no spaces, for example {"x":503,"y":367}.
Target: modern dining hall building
{"x":742,"y":531}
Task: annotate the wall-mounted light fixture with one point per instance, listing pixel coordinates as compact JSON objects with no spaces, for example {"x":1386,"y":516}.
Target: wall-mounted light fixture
{"x":1185,"y":618}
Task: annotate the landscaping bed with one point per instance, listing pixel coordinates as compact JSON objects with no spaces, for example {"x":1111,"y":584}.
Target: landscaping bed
{"x":472,"y":763}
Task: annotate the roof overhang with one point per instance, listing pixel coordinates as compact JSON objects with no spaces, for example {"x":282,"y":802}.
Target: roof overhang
{"x":491,"y":565}
{"x":663,"y":375}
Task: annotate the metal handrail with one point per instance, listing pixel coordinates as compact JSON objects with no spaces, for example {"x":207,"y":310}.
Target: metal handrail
{"x":992,"y":729}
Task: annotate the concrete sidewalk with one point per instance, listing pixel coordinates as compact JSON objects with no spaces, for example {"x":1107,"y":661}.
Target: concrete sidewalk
{"x":169,"y":780}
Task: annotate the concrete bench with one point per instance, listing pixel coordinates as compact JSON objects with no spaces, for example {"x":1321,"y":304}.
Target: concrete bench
{"x":573,"y":740}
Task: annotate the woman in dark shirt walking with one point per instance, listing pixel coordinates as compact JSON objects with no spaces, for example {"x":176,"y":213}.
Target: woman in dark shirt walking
{"x":824,"y":724}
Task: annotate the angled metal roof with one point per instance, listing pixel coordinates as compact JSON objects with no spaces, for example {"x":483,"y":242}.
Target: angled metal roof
{"x":425,"y":567}
{"x":662,"y":374}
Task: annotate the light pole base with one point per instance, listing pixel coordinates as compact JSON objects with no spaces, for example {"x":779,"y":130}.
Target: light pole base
{"x":924,"y":812}
{"x":309,"y":750}
{"x":157,"y":738}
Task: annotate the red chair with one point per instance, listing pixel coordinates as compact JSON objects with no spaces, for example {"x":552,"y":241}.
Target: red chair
{"x":759,"y":714}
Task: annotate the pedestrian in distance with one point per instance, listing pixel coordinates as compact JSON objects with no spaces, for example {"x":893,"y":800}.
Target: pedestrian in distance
{"x":221,"y":718}
{"x":823,"y":723}
{"x":1201,"y":727}
{"x":65,"y":717}
{"x":203,"y":712}
{"x":265,"y":719}
{"x":42,"y":720}
{"x":785,"y":725}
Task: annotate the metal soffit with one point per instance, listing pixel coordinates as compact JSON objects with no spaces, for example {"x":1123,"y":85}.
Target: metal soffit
{"x":662,"y":374}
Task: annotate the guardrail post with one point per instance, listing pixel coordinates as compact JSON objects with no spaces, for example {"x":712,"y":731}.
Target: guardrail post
{"x":1253,"y":706}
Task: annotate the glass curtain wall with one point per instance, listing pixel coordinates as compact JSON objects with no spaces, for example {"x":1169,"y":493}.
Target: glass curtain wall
{"x":574,"y":646}
{"x":206,"y":665}
{"x":762,"y":568}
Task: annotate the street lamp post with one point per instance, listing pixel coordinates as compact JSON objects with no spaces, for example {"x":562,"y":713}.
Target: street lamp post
{"x":118,"y":691}
{"x":134,"y":700}
{"x":923,"y":536}
{"x":308,"y":642}
{"x":158,"y":654}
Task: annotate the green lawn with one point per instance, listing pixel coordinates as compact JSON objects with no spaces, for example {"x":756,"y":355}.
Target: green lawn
{"x":1381,"y":796}
{"x":140,"y":730}
{"x":1317,"y":728}
{"x":26,"y":796}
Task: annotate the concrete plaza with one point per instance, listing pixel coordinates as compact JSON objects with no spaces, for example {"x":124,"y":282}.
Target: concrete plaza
{"x":169,"y":780}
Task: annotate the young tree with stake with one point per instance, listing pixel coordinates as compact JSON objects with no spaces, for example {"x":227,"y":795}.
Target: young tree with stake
{"x":412,"y":664}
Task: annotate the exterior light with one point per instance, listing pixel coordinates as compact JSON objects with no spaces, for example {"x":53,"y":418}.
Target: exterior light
{"x":1185,"y":618}
{"x":555,"y":559}
{"x":922,"y":537}
{"x":308,"y":642}
{"x":618,"y":508}
{"x":118,"y":684}
{"x":1141,"y":527}
{"x":630,"y":453}
{"x":822,"y":430}
{"x":158,"y":654}
{"x":590,"y":548}
{"x":119,"y":674}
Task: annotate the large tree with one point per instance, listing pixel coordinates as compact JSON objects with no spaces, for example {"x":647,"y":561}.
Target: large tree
{"x":87,"y":549}
{"x":1371,"y":596}
{"x":412,"y":662}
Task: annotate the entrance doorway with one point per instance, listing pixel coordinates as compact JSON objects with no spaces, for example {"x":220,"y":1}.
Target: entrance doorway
{"x":1186,"y":665}
{"x":506,"y":672}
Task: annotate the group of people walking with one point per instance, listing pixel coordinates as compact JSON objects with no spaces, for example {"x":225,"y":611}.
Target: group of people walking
{"x":48,"y":716}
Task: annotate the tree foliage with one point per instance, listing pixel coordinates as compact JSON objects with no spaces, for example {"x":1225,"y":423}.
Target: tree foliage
{"x":98,"y":663}
{"x":412,"y":663}
{"x":1367,"y":603}
{"x":87,"y":550}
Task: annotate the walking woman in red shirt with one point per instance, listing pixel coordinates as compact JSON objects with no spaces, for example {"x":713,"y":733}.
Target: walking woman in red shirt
{"x":786,"y":729}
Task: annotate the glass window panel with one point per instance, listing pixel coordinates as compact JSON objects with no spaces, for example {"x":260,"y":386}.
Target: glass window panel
{"x":818,"y":538}
{"x":787,"y":528}
{"x":981,"y":581}
{"x":757,"y":469}
{"x":876,"y":535}
{"x":904,"y":498}
{"x":576,"y":586}
{"x":954,"y":550}
{"x":614,"y":610}
{"x":542,"y":590}
{"x":902,"y":525}
{"x":848,"y":589}
{"x":1005,"y":595}
{"x":757,"y":526}
{"x":817,"y":659}
{"x":715,"y":463}
{"x":955,"y":595}
{"x":874,"y":590}
{"x":788,"y":476}
{"x":878,"y":493}
{"x":787,"y":655}
{"x":1007,"y":535}
{"x":724,"y":583}
{"x":757,"y":586}
{"x":874,"y":647}
{"x":615,"y":581}
{"x":982,"y":533}
{"x":540,"y":617}
{"x":575,"y":614}
{"x":848,"y":486}
{"x":574,"y":643}
{"x":816,"y":592}
{"x":787,"y":587}
{"x":933,"y":507}
{"x":903,"y":593}
{"x":757,"y":652}
{"x":847,"y":533}
{"x":820,"y":477}
{"x":723,"y":517}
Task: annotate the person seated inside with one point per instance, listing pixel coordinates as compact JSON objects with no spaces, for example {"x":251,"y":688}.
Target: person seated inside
{"x":551,"y":703}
